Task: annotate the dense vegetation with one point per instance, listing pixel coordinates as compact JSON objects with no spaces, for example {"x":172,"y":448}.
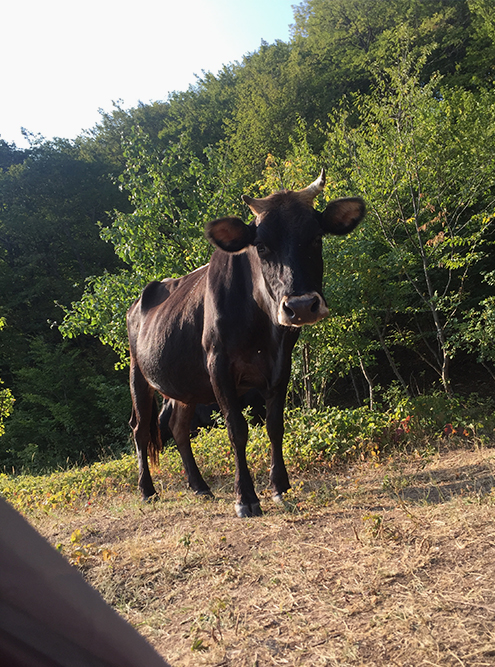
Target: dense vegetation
{"x":395,"y":98}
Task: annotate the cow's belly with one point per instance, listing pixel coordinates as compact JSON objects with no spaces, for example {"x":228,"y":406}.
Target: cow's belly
{"x":174,"y":365}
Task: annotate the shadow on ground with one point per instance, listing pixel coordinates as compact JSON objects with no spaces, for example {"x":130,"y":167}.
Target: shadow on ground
{"x":441,"y":485}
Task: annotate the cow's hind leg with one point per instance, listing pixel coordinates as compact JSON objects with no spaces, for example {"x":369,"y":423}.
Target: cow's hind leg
{"x":144,"y":424}
{"x":179,"y":424}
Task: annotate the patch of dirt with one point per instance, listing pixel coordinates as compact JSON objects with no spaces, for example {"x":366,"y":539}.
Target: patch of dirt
{"x":373,"y":564}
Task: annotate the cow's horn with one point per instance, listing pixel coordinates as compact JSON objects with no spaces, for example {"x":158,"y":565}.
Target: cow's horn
{"x":309,"y":194}
{"x":257,"y":206}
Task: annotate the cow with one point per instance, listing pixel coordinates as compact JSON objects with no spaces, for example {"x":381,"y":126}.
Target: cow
{"x":231,"y":326}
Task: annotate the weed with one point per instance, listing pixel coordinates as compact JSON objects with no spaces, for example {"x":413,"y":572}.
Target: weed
{"x":80,"y":554}
{"x":185,"y":540}
{"x":375,"y":523}
{"x":313,"y":441}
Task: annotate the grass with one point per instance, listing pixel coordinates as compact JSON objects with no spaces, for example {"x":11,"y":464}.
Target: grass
{"x":70,"y":488}
{"x":387,"y":558}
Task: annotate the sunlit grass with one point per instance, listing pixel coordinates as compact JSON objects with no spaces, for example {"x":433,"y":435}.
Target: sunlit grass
{"x":69,"y":487}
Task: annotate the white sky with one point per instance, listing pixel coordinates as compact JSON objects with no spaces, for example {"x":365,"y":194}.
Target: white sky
{"x":62,"y":60}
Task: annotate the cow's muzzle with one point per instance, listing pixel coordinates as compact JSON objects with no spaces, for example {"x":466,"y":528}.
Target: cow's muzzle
{"x":294,"y":311}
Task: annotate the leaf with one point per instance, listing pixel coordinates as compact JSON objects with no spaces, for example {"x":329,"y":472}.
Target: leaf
{"x":75,"y":538}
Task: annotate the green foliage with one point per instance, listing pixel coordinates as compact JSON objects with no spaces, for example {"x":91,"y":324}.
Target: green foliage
{"x":101,"y":311}
{"x":6,"y":398}
{"x":70,"y":487}
{"x":51,"y":200}
{"x":484,"y":10}
{"x":174,"y":195}
{"x":65,"y":412}
{"x":89,"y":222}
{"x":199,"y":115}
{"x":441,"y":415}
{"x":6,"y":406}
{"x":49,"y":242}
{"x":265,"y":110}
{"x":328,"y":435}
{"x":424,"y":163}
{"x":477,"y":329}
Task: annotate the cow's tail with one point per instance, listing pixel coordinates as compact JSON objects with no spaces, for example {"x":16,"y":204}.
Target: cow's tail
{"x":155,"y":444}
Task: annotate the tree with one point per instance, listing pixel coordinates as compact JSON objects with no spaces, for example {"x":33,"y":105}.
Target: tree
{"x":423,"y":160}
{"x":338,"y":44}
{"x":71,"y":408}
{"x":49,"y":244}
{"x":265,"y":111}
{"x":199,"y":116}
{"x":6,"y":398}
{"x":48,"y":235}
{"x":10,"y":154}
{"x":174,"y":194}
{"x":485,"y":11}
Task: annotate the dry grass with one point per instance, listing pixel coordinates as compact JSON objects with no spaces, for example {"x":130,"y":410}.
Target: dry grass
{"x":389,"y":564}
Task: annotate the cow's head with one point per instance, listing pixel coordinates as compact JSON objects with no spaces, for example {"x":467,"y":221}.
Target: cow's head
{"x":284,"y":245}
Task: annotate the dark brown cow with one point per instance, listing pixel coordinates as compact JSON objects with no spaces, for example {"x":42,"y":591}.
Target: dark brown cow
{"x":230,"y":326}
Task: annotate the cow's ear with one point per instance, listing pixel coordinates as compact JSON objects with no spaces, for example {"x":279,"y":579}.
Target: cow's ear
{"x":230,"y":234}
{"x":341,"y":216}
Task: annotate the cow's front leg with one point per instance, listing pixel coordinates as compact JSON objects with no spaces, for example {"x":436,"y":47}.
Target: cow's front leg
{"x":279,"y":478}
{"x":247,"y":502}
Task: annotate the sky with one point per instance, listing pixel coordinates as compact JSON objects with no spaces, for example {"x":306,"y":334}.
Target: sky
{"x":63,"y":60}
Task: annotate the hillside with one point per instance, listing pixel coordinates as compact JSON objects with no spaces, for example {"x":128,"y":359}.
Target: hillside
{"x":385,"y":562}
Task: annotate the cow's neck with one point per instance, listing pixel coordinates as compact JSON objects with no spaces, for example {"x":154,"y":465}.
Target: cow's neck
{"x":262,"y":294}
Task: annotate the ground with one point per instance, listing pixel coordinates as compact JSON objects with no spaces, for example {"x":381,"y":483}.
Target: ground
{"x":378,"y":563}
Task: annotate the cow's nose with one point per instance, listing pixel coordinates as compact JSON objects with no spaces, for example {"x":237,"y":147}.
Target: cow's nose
{"x":300,"y":307}
{"x":304,"y":309}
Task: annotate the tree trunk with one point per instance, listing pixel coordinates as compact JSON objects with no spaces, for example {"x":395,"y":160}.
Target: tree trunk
{"x":355,"y":387}
{"x":390,"y":359}
{"x":369,"y":380}
{"x":307,"y":387}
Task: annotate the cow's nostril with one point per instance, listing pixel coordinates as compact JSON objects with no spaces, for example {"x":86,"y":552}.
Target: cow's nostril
{"x":289,"y":312}
{"x":315,"y":306}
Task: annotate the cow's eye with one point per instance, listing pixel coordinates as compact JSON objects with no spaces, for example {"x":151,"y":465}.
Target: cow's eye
{"x":262,"y":249}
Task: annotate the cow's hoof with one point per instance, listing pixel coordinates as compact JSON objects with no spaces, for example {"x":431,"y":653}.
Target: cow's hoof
{"x":205,"y":494}
{"x":278,"y":498}
{"x":244,"y":511}
{"x":150,"y":499}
